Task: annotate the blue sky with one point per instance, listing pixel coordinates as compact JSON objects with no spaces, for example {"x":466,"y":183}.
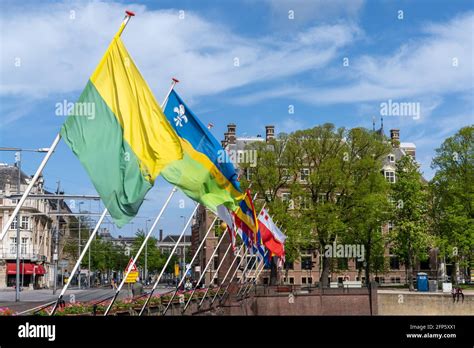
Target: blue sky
{"x":49,"y":49}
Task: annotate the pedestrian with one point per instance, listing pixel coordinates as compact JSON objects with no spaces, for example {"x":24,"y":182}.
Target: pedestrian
{"x":459,"y":294}
{"x":137,"y":288}
{"x":453,"y":293}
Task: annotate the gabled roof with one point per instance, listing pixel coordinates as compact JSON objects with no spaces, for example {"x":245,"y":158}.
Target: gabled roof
{"x":173,"y":238}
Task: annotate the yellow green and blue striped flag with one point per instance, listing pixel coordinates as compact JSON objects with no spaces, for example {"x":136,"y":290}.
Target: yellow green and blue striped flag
{"x":128,"y":141}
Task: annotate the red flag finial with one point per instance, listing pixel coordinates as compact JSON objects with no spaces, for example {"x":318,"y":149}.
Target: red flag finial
{"x":130,"y":13}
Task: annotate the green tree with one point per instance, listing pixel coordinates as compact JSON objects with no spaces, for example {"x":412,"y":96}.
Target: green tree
{"x":155,"y":259}
{"x":453,"y":198}
{"x":411,"y":239}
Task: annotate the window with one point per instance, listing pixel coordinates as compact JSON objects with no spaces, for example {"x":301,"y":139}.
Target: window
{"x":304,"y":174}
{"x":24,"y":243}
{"x":285,"y":197}
{"x":391,"y":158}
{"x":13,"y":245}
{"x":178,"y":251}
{"x":217,"y":226}
{"x":303,"y":280}
{"x":306,"y":262}
{"x":216,"y":262}
{"x":390,"y":176}
{"x":390,"y":226}
{"x":289,"y":265}
{"x":13,"y":225}
{"x":292,"y":280}
{"x":340,"y":280}
{"x":265,"y":281}
{"x":304,"y":203}
{"x":359,"y":264}
{"x":25,"y":222}
{"x":310,"y":280}
{"x":394,"y":262}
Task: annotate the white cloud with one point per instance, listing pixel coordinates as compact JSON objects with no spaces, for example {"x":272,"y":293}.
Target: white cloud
{"x":58,"y":53}
{"x":310,"y":10}
{"x":421,"y":69}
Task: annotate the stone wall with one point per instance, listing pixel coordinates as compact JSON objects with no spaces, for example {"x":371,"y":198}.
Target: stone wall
{"x":406,"y":303}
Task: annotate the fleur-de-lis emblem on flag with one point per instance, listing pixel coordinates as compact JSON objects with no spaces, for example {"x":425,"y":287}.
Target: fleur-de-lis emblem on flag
{"x":180,"y":117}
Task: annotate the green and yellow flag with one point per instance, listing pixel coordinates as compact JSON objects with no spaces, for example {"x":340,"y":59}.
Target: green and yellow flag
{"x":123,"y":140}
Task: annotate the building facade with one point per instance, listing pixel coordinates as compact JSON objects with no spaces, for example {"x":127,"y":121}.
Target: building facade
{"x":307,"y":269}
{"x":37,"y":232}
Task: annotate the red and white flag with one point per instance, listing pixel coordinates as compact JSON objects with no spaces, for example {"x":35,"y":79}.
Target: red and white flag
{"x":272,"y":237}
{"x":224,"y":214}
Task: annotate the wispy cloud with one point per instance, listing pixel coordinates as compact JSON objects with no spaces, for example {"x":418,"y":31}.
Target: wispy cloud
{"x":74,"y":37}
{"x":439,"y":63}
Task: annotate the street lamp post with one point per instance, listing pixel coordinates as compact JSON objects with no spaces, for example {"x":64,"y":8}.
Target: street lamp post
{"x":184,"y":249}
{"x":89,"y":268}
{"x":18,"y":152}
{"x":146,"y":254}
{"x":79,"y":246}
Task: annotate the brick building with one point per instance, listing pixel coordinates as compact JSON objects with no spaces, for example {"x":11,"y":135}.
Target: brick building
{"x":307,"y":269}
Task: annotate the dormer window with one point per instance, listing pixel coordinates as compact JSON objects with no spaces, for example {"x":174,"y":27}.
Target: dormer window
{"x":391,"y":158}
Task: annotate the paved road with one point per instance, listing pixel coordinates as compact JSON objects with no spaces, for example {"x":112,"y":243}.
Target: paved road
{"x":34,"y":298}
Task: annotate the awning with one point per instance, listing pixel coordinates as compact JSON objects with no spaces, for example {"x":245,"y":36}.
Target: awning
{"x":26,"y":268}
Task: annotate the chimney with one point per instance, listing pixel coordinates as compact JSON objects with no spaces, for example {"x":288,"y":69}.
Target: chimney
{"x":161,"y":235}
{"x":269,"y":132}
{"x":395,"y":137}
{"x":230,"y":135}
{"x":231,"y":128}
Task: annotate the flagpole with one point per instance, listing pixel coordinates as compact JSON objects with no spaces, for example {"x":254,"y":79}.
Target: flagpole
{"x":74,"y":270}
{"x":249,"y":287}
{"x":128,"y":15}
{"x":249,"y":280}
{"x":228,"y":271}
{"x":134,"y":260}
{"x":233,"y":276}
{"x":173,"y":190}
{"x":246,"y":275}
{"x":213,"y":277}
{"x":99,"y":222}
{"x":190,"y":264}
{"x":169,"y":259}
{"x":257,"y":273}
{"x":254,"y":282}
{"x":203,"y":273}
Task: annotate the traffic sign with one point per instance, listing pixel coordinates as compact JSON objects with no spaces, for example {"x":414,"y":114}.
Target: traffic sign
{"x":133,"y":275}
